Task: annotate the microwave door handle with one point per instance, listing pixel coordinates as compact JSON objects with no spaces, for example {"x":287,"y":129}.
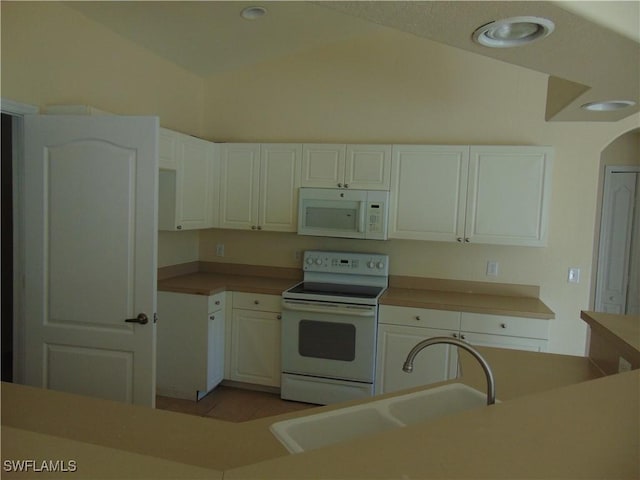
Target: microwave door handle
{"x":362,"y":217}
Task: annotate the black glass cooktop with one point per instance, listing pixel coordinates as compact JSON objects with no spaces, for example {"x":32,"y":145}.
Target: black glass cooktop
{"x":337,"y":290}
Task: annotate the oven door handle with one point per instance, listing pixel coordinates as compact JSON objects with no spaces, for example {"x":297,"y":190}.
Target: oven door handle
{"x":334,"y":310}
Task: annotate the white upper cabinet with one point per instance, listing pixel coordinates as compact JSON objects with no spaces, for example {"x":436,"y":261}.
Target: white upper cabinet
{"x":361,"y":167}
{"x":323,"y":165}
{"x":368,"y":167}
{"x":428,"y":192}
{"x":492,"y":195}
{"x":259,"y":186}
{"x":188,"y":187}
{"x":279,"y":184}
{"x":508,"y":195}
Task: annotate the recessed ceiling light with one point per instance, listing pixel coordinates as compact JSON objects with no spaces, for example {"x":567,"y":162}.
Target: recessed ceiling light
{"x":513,"y":32}
{"x":607,"y":106}
{"x":252,"y":13}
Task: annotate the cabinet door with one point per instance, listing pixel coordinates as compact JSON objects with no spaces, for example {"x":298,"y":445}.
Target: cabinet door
{"x":181,"y":350}
{"x":185,"y":182}
{"x":323,"y":165}
{"x":239,"y":185}
{"x":215,"y":354}
{"x":428,"y":192}
{"x":279,"y":182}
{"x":196,"y":159}
{"x":433,"y":364}
{"x":368,"y":167}
{"x":509,"y":193}
{"x":255,"y":347}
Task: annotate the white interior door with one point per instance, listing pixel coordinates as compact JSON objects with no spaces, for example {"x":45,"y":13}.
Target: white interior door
{"x":90,"y":255}
{"x":615,"y":241}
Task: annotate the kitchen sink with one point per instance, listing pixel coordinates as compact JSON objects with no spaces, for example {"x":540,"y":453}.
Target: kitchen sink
{"x":434,"y":403}
{"x":322,"y":429}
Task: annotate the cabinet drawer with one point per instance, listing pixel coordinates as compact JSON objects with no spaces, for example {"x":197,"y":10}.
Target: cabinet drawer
{"x":217,"y":302}
{"x":419,"y":317}
{"x":257,"y":301}
{"x":503,"y":325}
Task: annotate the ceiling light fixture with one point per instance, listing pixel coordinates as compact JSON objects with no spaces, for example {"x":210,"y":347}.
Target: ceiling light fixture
{"x":513,"y":32}
{"x":253,"y":13}
{"x":607,"y":106}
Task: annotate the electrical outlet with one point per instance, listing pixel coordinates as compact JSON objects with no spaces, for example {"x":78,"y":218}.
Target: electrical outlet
{"x":574,"y":275}
{"x":492,"y":268}
{"x":623,"y":365}
{"x":220,"y":250}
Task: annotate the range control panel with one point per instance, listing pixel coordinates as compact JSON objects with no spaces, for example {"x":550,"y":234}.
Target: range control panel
{"x":348,"y":263}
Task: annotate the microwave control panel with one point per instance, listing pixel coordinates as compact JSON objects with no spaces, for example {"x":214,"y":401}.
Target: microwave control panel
{"x":375,"y":214}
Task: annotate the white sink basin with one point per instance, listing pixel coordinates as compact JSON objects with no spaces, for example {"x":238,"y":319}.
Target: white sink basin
{"x":315,"y":431}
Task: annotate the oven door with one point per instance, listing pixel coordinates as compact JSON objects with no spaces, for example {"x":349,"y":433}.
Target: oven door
{"x":329,"y":340}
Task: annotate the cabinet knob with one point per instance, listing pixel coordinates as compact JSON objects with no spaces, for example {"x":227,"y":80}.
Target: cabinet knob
{"x":217,"y":302}
{"x":346,"y":185}
{"x":259,"y":227}
{"x":462,"y":337}
{"x":418,"y":317}
{"x":256,"y":302}
{"x":253,"y":227}
{"x":339,"y":185}
{"x":212,"y":317}
{"x":467,"y":240}
{"x":454,"y":335}
{"x":279,"y":317}
{"x":178,"y":227}
{"x":503,"y":325}
{"x":459,"y":239}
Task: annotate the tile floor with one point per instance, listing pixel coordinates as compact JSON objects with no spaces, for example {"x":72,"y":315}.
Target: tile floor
{"x":232,"y":404}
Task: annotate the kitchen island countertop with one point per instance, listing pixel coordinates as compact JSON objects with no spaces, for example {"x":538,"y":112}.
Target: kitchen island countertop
{"x":539,"y":392}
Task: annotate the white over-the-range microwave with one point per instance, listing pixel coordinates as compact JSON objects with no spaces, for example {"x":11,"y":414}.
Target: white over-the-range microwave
{"x":328,"y":212}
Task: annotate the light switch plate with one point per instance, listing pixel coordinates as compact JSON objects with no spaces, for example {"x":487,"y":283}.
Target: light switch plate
{"x":492,"y":268}
{"x":574,"y":275}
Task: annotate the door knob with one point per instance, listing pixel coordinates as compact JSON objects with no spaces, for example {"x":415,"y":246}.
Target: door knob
{"x":142,"y":319}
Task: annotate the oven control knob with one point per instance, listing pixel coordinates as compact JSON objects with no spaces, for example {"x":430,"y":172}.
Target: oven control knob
{"x":380,"y":265}
{"x":318,"y":261}
{"x":309,"y":260}
{"x":371,"y":264}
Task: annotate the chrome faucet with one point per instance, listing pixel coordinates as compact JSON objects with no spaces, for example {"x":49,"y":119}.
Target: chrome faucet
{"x":491,"y":386}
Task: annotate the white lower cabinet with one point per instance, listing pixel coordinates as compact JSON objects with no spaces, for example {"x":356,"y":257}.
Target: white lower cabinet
{"x":400,"y":328}
{"x":255,"y":339}
{"x":503,"y":331}
{"x":190,"y":344}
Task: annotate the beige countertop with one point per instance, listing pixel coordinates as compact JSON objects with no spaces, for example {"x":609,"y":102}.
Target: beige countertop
{"x":467,"y":302}
{"x":623,"y":329}
{"x":587,"y":430}
{"x":204,"y":283}
{"x":46,"y":424}
{"x":475,"y":297}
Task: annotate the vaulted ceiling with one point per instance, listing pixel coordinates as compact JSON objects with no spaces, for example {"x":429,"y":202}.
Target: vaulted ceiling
{"x":593,"y":54}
